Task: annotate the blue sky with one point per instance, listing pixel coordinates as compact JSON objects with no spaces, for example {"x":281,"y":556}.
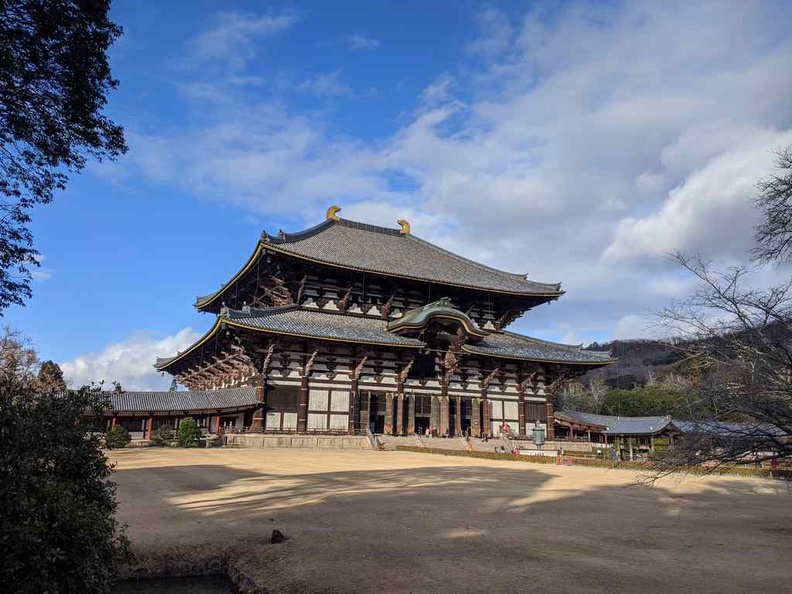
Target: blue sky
{"x":577,"y":142}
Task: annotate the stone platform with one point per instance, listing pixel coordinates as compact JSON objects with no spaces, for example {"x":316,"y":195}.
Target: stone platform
{"x":328,"y":442}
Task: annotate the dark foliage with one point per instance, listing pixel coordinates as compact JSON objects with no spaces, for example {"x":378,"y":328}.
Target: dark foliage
{"x":163,"y":436}
{"x":54,"y":82}
{"x":117,"y":437}
{"x":58,"y":531}
{"x":189,"y":435}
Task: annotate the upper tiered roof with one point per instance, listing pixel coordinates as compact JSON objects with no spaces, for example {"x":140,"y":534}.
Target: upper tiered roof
{"x":358,"y":246}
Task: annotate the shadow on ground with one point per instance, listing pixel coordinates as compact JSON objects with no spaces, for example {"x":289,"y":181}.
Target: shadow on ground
{"x":453,"y":527}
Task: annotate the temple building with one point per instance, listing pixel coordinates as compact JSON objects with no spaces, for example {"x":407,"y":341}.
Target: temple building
{"x":349,"y":328}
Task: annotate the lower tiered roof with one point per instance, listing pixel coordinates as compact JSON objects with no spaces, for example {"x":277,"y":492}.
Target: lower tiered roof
{"x":184,"y":401}
{"x":301,"y":322}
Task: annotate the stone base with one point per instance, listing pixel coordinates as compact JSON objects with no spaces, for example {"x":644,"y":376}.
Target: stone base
{"x":328,"y":442}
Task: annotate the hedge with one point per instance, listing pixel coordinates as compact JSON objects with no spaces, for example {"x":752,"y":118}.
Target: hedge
{"x":785,"y":474}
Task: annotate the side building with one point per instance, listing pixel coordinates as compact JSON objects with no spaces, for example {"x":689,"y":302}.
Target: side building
{"x":348,"y":328}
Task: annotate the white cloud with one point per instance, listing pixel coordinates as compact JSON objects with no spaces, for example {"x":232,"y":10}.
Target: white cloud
{"x":230,"y":40}
{"x":129,"y":362}
{"x":41,"y":273}
{"x":358,"y":41}
{"x":326,"y":85}
{"x":710,"y":214}
{"x":581,"y":144}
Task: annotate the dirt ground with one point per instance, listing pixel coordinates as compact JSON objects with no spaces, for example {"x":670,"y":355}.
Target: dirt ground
{"x":406,"y":522}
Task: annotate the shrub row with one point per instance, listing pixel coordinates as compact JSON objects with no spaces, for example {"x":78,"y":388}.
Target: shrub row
{"x":784,"y":474}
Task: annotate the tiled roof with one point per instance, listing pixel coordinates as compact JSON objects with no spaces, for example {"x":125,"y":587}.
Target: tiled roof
{"x":358,"y":246}
{"x":292,"y":320}
{"x":180,"y":401}
{"x":618,"y":425}
{"x":516,"y":346}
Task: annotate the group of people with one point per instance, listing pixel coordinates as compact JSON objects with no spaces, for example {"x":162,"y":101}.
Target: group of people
{"x":432,"y":432}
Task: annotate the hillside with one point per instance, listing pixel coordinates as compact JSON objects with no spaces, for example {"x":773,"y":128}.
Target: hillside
{"x":638,"y":360}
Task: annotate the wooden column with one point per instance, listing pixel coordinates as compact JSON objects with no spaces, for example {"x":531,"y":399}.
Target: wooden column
{"x":475,"y":421}
{"x":388,"y":414}
{"x":364,"y":413}
{"x":486,"y":380}
{"x":302,"y":413}
{"x":485,"y":415}
{"x":434,"y":419}
{"x":258,"y":422}
{"x":259,"y":414}
{"x":458,"y":417}
{"x":521,"y":429}
{"x":217,"y":424}
{"x":550,"y":392}
{"x":444,"y":415}
{"x":149,"y":426}
{"x":354,"y":375}
{"x":410,"y":414}
{"x":400,"y":414}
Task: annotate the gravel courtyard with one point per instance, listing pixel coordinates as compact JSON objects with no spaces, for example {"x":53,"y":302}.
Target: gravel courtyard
{"x":405,"y":522}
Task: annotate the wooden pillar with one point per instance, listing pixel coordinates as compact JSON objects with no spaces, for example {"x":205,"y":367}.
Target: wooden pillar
{"x":259,"y":414}
{"x":149,"y":426}
{"x":485,"y":416}
{"x":458,"y":417}
{"x":475,"y":421}
{"x":550,"y":419}
{"x":388,"y":414}
{"x":444,"y":416}
{"x":411,"y":414}
{"x":113,"y":421}
{"x":434,"y":418}
{"x":353,"y":389}
{"x":302,"y":413}
{"x":400,"y":414}
{"x":365,"y":403}
{"x":217,"y":424}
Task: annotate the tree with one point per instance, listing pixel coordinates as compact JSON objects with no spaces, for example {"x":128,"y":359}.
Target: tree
{"x":50,"y":377}
{"x":774,"y":233}
{"x":18,"y":360}
{"x":163,"y":436}
{"x":54,"y":83}
{"x":189,"y":435}
{"x":117,"y":437}
{"x":741,"y":337}
{"x":58,"y":531}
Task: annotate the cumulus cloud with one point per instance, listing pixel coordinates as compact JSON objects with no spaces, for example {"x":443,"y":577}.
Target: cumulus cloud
{"x":579,"y":143}
{"x":129,"y":362}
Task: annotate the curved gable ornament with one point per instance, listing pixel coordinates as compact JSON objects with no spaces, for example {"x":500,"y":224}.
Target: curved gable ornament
{"x":418,"y":319}
{"x":405,"y":226}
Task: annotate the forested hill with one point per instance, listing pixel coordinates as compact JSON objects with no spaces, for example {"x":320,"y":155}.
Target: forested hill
{"x":638,"y":361}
